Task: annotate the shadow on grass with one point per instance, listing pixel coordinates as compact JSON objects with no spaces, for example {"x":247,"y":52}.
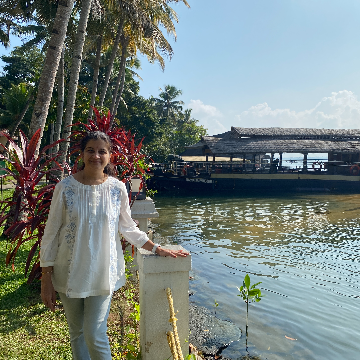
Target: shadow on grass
{"x":17,"y":306}
{"x":18,"y":300}
{"x":24,"y":295}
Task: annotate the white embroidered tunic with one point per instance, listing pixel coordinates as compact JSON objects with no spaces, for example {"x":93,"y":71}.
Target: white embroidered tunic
{"x":81,"y":239}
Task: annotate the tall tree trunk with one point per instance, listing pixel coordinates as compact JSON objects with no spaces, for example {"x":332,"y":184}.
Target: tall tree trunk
{"x":120,"y":78}
{"x":47,"y":79}
{"x":74,"y":76}
{"x":95,"y":76}
{"x":21,"y":116}
{"x":60,"y":102}
{"x":120,"y":93}
{"x":111,"y":63}
{"x":52,"y":130}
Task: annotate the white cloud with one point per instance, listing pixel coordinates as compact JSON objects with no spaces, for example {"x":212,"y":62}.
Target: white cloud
{"x":341,"y":110}
{"x":209,"y":116}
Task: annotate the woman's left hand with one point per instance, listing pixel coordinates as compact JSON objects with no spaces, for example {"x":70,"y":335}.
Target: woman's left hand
{"x":173,"y":253}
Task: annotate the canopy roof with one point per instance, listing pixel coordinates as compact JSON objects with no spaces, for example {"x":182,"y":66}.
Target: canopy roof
{"x":297,"y":133}
{"x":277,"y":140}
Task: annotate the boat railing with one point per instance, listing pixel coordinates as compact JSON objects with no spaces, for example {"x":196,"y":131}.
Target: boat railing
{"x":204,"y":170}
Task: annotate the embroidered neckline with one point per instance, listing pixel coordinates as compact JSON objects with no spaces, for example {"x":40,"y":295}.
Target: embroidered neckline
{"x":89,"y":187}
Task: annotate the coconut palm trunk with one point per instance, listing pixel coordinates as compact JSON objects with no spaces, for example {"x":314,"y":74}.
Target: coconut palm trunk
{"x":116,"y":100}
{"x":74,"y":76}
{"x":121,"y":77}
{"x":60,"y":102}
{"x":48,"y":75}
{"x":111,"y":62}
{"x":21,"y":116}
{"x":95,"y":76}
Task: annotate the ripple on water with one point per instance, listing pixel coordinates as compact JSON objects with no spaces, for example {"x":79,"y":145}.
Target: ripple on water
{"x":306,"y":252}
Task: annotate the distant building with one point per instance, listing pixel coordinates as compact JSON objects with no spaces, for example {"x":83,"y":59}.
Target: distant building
{"x":341,"y":145}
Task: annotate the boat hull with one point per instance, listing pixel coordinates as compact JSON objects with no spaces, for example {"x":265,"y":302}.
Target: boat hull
{"x":295,"y":182}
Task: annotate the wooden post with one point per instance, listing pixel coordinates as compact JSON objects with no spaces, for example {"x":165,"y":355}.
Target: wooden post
{"x":305,"y":162}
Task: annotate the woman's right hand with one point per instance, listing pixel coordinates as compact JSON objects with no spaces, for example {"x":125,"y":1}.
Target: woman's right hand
{"x":48,"y":294}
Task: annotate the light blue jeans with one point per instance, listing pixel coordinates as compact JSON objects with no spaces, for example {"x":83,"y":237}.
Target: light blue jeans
{"x":87,"y":320}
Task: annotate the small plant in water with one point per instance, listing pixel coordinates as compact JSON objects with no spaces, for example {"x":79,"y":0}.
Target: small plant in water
{"x":216,"y":304}
{"x":249,"y":293}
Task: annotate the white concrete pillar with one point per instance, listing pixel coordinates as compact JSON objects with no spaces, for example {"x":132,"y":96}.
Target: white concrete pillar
{"x":156,"y":274}
{"x":142,"y":210}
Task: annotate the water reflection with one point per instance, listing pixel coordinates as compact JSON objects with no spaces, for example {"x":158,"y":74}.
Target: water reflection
{"x":305,"y":250}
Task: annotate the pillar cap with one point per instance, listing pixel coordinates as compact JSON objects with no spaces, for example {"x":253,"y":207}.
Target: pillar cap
{"x":150,"y":263}
{"x":144,"y":209}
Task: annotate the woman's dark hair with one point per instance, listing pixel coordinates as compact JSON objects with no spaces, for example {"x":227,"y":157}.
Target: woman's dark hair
{"x":98,"y":135}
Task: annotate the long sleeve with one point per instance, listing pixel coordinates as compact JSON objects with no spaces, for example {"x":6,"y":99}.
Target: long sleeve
{"x":127,"y":225}
{"x":50,"y":240}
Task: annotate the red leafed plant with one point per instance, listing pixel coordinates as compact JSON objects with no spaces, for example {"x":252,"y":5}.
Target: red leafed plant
{"x":30,"y":201}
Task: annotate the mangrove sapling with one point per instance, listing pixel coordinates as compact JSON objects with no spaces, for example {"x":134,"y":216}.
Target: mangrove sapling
{"x":249,"y":293}
{"x":216,"y":304}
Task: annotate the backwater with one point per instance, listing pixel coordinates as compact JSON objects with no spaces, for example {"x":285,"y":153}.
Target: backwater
{"x":304,"y":249}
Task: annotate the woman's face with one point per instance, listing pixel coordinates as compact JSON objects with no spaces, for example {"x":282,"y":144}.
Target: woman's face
{"x":96,"y":154}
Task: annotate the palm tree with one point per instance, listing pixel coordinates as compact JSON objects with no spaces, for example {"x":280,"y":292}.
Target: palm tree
{"x":166,"y":105}
{"x":51,"y":64}
{"x":140,"y":20}
{"x":96,"y":67}
{"x":74,"y":76}
{"x":111,"y":62}
{"x":60,"y":101}
{"x":11,"y":14}
{"x":121,"y":76}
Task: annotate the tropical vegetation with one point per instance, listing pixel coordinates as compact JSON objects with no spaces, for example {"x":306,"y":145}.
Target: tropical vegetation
{"x":80,"y":54}
{"x":75,"y":71}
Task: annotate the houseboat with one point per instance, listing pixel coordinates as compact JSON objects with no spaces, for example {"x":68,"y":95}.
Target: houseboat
{"x":253,"y":159}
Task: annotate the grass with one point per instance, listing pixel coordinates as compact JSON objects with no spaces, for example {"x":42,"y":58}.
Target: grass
{"x":28,"y":330}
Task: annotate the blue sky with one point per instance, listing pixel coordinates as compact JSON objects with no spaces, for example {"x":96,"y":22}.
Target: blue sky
{"x":261,"y":63}
{"x":291,"y":63}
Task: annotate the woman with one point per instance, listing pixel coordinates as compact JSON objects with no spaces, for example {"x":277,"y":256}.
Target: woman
{"x":81,"y":254}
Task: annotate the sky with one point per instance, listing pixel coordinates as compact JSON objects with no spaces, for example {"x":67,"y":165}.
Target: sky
{"x":264,"y":63}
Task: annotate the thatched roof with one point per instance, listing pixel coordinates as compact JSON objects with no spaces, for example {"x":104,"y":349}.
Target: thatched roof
{"x":297,"y":133}
{"x":277,"y":140}
{"x":221,"y":147}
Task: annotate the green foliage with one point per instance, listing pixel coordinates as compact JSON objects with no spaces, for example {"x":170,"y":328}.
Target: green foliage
{"x":23,"y":65}
{"x":27,"y":329}
{"x":191,"y":357}
{"x":125,"y":342}
{"x":166,"y":128}
{"x":129,"y":264}
{"x":249,"y":292}
{"x":18,"y":83}
{"x":14,"y":101}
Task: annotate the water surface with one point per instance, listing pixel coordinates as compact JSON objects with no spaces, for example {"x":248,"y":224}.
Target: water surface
{"x":304,"y":249}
